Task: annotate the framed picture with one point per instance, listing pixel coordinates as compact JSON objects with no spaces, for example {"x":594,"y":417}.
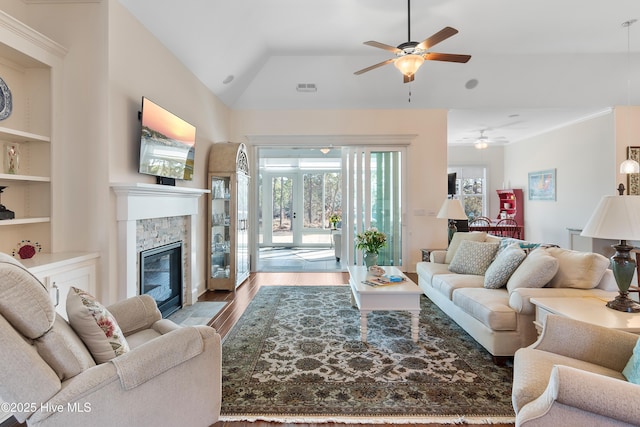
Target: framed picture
{"x":542,"y":185}
{"x":633,"y":179}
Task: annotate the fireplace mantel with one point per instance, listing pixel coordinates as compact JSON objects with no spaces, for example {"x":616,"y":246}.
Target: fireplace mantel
{"x":143,"y":201}
{"x":137,"y":201}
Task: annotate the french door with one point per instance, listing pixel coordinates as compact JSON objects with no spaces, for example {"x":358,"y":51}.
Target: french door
{"x":296,"y":207}
{"x":281,"y":206}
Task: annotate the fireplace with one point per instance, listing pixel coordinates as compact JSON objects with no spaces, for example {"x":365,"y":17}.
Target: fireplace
{"x":161,"y":276}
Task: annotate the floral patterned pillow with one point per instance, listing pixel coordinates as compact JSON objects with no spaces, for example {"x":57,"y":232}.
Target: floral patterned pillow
{"x":95,"y":325}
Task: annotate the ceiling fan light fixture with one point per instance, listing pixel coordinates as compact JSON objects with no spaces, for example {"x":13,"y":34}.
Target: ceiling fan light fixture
{"x":409,"y":64}
{"x":325,"y":150}
{"x":481,"y":144}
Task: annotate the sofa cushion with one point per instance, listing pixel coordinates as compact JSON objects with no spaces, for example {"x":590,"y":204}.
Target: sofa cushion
{"x":476,"y":236}
{"x":426,"y":270}
{"x":95,"y":325}
{"x":506,"y":262}
{"x":447,"y":283}
{"x":473,"y":257}
{"x":582,"y":270}
{"x":489,"y":306}
{"x":632,"y":370}
{"x":535,"y":271}
{"x":63,"y":350}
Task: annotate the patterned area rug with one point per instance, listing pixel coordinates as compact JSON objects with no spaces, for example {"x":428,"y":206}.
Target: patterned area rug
{"x":295,"y":355}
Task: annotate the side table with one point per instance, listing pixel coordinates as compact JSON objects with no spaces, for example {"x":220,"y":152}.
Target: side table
{"x":585,"y":309}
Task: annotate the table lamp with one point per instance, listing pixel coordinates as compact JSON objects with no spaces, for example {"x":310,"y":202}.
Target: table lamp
{"x":618,"y":217}
{"x":452,"y":210}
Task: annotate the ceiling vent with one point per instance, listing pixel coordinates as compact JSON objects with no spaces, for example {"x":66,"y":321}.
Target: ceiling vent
{"x":306,"y":87}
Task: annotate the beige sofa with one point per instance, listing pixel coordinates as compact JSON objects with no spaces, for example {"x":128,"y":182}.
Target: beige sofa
{"x":169,"y":375}
{"x":501,"y":319}
{"x":572,"y":376}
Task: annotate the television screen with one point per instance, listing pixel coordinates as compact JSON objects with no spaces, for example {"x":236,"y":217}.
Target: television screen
{"x":451,"y":183}
{"x":167,"y":143}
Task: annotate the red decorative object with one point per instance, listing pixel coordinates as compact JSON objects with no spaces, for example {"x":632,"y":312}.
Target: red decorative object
{"x":26,"y":249}
{"x":26,"y":252}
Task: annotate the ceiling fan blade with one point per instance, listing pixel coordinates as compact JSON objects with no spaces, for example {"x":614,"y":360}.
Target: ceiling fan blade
{"x":408,"y":79}
{"x":441,"y":35}
{"x":449,"y":57}
{"x":383,"y":46}
{"x":364,"y":70}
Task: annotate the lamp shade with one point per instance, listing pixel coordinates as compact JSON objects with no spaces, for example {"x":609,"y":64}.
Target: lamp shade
{"x":616,"y":218}
{"x":409,"y":64}
{"x":452,"y":209}
{"x":629,"y":166}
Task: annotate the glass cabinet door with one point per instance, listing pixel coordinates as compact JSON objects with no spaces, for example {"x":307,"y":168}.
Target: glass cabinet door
{"x":220,"y":228}
{"x":242,"y":249}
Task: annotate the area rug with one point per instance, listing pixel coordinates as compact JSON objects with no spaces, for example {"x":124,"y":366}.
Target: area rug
{"x":199,"y":313}
{"x":295,"y":355}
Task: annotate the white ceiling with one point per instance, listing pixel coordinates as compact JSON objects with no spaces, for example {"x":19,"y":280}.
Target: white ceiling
{"x":538,"y":64}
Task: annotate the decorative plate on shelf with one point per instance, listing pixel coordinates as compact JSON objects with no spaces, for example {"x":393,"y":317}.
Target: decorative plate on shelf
{"x":6,"y":104}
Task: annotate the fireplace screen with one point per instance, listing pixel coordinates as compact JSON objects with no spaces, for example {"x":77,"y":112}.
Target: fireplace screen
{"x":161,"y":276}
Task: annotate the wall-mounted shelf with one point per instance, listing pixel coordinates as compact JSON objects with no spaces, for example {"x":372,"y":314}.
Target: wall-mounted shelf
{"x":23,"y":221}
{"x":28,"y":178}
{"x":13,"y":135}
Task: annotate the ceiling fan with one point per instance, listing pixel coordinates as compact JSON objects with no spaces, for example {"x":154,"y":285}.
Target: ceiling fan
{"x":483,"y":141}
{"x":411,"y":55}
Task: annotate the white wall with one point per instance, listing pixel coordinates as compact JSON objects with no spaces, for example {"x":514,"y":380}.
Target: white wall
{"x":584,"y":156}
{"x":426,"y":163}
{"x":112,"y":62}
{"x":492,"y":158}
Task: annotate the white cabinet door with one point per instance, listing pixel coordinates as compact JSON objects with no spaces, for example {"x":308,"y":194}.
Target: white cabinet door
{"x":59,"y":272}
{"x":60,"y":283}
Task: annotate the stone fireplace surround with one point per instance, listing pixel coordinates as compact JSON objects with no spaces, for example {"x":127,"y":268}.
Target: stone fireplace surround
{"x":140,"y":201}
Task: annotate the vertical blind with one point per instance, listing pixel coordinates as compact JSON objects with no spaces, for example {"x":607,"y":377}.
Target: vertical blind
{"x":372,"y":197}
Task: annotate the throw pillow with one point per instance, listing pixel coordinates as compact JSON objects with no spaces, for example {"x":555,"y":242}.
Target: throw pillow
{"x":632,"y":370}
{"x":501,"y":269}
{"x":476,"y":236}
{"x":473,"y":257}
{"x":95,"y":325}
{"x":535,"y":271}
{"x":581,"y":270}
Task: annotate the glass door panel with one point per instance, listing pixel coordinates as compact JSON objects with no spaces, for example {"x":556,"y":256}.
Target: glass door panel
{"x":283,"y":213}
{"x":220,"y":227}
{"x":242,"y":233}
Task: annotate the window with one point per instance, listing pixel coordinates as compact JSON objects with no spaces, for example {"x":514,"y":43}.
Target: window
{"x":470,"y":189}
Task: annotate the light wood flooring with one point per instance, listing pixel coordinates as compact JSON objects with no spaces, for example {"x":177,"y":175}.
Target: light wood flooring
{"x":238,"y":301}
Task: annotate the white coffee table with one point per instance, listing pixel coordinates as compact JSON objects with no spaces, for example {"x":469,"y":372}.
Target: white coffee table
{"x":592,"y":310}
{"x":404,"y":296}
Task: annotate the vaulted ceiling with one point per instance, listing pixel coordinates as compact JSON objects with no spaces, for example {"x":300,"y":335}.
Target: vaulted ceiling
{"x":535,"y":65}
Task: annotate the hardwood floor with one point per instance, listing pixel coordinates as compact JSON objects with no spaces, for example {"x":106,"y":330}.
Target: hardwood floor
{"x":238,"y":301}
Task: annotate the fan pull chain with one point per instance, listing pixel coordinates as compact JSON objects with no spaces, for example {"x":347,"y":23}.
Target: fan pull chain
{"x":409,"y":93}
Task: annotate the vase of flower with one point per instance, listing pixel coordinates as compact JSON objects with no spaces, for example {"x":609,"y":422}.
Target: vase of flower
{"x":370,"y":259}
{"x":334,"y":220}
{"x":371,"y":241}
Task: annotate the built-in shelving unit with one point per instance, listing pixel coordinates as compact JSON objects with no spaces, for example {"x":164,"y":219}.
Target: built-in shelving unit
{"x":29,"y":65}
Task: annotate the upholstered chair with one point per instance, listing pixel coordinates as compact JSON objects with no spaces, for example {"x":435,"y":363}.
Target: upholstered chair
{"x":163,"y":374}
{"x":572,"y":376}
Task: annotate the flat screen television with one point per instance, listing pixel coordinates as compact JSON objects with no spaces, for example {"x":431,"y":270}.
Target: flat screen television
{"x":451,"y":183}
{"x":167,"y":144}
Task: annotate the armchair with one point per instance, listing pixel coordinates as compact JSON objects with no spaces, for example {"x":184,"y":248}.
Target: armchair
{"x":170,"y":376}
{"x":572,"y":376}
